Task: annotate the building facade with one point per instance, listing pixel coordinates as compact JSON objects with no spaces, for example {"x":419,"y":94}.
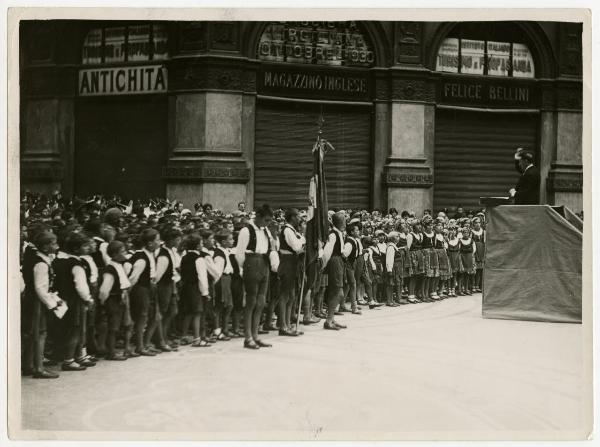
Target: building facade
{"x":421,"y":114}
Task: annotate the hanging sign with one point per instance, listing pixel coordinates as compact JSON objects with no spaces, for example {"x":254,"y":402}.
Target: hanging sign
{"x":122,"y":80}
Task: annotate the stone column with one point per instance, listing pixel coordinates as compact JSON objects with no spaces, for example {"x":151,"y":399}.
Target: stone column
{"x":408,"y":171}
{"x":211,"y":135}
{"x":565,"y":178}
{"x":48,"y":86}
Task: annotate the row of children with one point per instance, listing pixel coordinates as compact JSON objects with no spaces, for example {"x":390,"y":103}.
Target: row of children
{"x":142,"y":284}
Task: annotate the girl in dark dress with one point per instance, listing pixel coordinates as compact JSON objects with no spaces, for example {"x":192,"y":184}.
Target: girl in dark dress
{"x":479,"y":240}
{"x":453,"y":251}
{"x":467,"y":262}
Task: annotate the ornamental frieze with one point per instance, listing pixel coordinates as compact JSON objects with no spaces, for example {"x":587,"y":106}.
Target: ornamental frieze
{"x":220,"y":174}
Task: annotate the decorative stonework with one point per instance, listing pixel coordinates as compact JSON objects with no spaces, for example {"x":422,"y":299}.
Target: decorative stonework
{"x":382,"y":86}
{"x":192,"y":36}
{"x":225,"y":36}
{"x":548,"y":97}
{"x":210,"y":75}
{"x":569,"y":97}
{"x":49,"y":81}
{"x":41,"y":173}
{"x":565,"y":178}
{"x":409,"y":180}
{"x":214,"y":174}
{"x":408,"y":42}
{"x":40,"y":40}
{"x":418,"y":90}
{"x":407,"y":173}
{"x":570,"y":49}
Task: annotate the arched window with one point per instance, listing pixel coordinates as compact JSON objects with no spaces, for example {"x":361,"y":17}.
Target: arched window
{"x":323,"y":43}
{"x":491,"y":49}
{"x":125,"y":43}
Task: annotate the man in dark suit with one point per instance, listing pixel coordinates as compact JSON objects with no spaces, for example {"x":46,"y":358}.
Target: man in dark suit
{"x":527,"y":190}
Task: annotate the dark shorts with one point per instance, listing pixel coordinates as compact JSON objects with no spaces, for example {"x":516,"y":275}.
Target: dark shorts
{"x":35,"y":315}
{"x":191,"y":299}
{"x":139,"y":302}
{"x":115,"y":309}
{"x":224,"y":297}
{"x":167,"y":298}
{"x":335,"y":272}
{"x":72,"y":318}
{"x":288,"y":270}
{"x":237,"y":291}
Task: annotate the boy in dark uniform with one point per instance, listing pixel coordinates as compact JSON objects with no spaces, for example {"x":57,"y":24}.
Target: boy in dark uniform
{"x":167,"y":273}
{"x":352,"y":260}
{"x":254,"y":243}
{"x":71,"y":283}
{"x":38,"y":301}
{"x":143,"y":287}
{"x":113,"y":295}
{"x":291,"y":245}
{"x":333,"y":260}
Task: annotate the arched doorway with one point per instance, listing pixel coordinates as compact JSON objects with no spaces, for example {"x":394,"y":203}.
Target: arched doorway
{"x":488,"y":107}
{"x":121,"y":112}
{"x":309,"y":69}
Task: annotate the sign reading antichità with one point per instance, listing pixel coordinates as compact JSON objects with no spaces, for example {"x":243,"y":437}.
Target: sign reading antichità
{"x":122,"y":80}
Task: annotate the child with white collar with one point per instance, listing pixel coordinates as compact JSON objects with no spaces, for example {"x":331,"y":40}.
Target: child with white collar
{"x":113,"y":295}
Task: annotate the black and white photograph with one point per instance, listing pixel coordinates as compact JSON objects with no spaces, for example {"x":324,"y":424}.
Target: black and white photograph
{"x":299,"y":225}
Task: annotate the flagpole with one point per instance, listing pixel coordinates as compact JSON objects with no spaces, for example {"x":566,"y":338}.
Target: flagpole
{"x":301,"y":297}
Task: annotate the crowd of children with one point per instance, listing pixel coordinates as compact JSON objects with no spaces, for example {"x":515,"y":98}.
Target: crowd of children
{"x":103,"y":280}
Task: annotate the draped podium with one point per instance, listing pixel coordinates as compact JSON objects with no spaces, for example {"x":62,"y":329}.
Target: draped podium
{"x":533,"y":264}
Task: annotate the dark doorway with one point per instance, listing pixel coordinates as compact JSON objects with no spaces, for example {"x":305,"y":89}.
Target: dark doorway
{"x":121,"y":146}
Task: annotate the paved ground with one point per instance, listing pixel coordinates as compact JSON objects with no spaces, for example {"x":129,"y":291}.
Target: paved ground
{"x":433,"y":370}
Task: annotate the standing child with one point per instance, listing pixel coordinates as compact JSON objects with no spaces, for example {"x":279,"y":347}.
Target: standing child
{"x":113,"y":296}
{"x":478,"y":235}
{"x":194,"y":289}
{"x":467,"y":262}
{"x":430,"y":261}
{"x":390,"y":257}
{"x":223,"y":295}
{"x":453,"y":251}
{"x":72,"y":286}
{"x":404,"y":259}
{"x":167,"y":276}
{"x":208,"y":247}
{"x":415,"y":240}
{"x":143,"y":290}
{"x":443,"y":262}
{"x":237,"y":292}
{"x":88,"y":317}
{"x":38,"y":300}
{"x":380,"y":249}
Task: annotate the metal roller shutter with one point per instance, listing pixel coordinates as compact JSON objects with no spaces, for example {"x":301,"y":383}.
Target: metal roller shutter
{"x":474,"y":154}
{"x":285,"y":134}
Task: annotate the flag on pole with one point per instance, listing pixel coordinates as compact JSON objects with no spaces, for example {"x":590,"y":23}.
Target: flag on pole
{"x":317,"y":225}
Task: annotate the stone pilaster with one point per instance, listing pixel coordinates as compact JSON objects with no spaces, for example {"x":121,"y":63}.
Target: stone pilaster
{"x":408,"y":173}
{"x":48,"y":87}
{"x":211,"y":131}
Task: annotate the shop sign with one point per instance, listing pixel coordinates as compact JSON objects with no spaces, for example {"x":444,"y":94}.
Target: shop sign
{"x":122,"y":80}
{"x":351,"y":86}
{"x":324,"y":43}
{"x":472,"y":58}
{"x":488,"y":93}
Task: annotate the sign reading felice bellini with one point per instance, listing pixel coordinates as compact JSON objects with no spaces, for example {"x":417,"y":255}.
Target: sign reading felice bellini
{"x":122,"y":80}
